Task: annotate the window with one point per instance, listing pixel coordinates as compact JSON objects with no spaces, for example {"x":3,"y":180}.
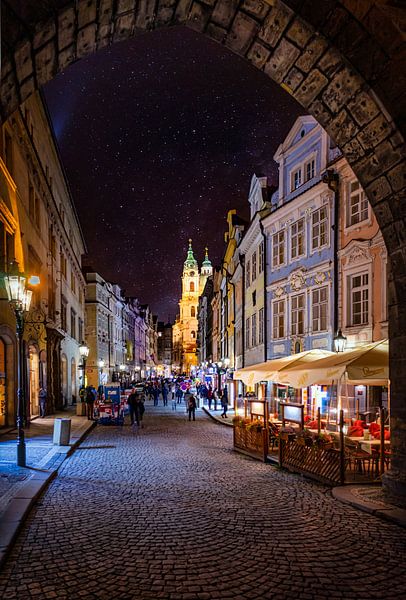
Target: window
{"x":319,"y":228}
{"x":192,"y":286}
{"x":31,"y":204}
{"x":254,"y":298}
{"x":193,"y":335}
{"x":37,"y":212}
{"x":261,"y":257}
{"x":357,"y":210}
{"x":247,"y":332}
{"x":6,"y":248}
{"x":63,"y":315}
{"x":63,"y":265}
{"x":296,"y":179}
{"x":80,"y":330}
{"x":72,"y":323}
{"x":279,"y":319}
{"x":8,"y":152}
{"x":278,"y":249}
{"x":319,"y":309}
{"x":248,"y":275}
{"x":309,"y":170}
{"x":297,"y":239}
{"x":359,"y":299}
{"x":73,"y":282}
{"x":298,"y":313}
{"x":254,"y":330}
{"x":193,"y":312}
{"x":261,"y":326}
{"x":254,"y":266}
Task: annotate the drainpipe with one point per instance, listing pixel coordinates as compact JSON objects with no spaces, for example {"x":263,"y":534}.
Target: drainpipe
{"x":265,"y":296}
{"x":332,"y":180}
{"x":242,"y":263}
{"x":228,"y":278}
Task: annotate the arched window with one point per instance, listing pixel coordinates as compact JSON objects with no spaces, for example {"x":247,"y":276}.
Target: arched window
{"x":193,"y":334}
{"x":192,"y":286}
{"x":193,"y":312}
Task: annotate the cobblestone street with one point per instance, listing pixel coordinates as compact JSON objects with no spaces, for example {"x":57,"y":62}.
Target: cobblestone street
{"x":171,"y":512}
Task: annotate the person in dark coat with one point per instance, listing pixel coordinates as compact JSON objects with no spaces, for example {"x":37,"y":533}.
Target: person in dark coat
{"x":131,"y":405}
{"x":139,"y":411}
{"x":224,"y":404}
{"x":178,"y":394}
{"x":155,"y":392}
{"x":42,"y":397}
{"x":165,"y":392}
{"x":191,"y":407}
{"x":90,"y":398}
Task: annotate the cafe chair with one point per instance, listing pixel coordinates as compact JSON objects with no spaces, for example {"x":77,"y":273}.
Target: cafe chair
{"x":356,"y":457}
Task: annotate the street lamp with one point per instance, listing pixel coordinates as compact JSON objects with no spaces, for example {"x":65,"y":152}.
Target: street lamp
{"x":84,"y":353}
{"x":340,"y":341}
{"x":100,"y":363}
{"x":19,"y":298}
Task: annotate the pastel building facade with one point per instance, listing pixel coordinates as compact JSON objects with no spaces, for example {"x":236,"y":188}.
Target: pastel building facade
{"x":301,"y":245}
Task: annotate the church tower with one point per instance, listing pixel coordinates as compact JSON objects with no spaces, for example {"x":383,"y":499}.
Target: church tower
{"x":207,"y":271}
{"x":188,"y":305}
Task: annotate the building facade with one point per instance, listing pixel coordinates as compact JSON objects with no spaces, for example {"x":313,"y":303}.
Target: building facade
{"x":40,"y":230}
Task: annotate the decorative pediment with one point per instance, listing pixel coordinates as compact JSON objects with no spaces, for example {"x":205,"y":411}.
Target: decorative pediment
{"x":357,"y":252}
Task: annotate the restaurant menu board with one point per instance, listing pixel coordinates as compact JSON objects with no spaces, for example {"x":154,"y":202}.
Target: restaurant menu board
{"x":292,"y":413}
{"x":257,"y":408}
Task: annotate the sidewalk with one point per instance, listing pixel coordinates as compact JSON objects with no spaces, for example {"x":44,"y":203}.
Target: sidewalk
{"x":20,"y":486}
{"x":216,"y":416}
{"x":368,"y":498}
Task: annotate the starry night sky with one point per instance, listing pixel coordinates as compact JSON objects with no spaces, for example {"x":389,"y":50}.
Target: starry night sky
{"x":159,"y":136}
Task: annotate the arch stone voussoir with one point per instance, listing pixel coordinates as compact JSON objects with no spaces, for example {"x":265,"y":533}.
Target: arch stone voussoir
{"x":342,"y":60}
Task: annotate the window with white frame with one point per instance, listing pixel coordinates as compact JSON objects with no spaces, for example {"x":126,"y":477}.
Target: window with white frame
{"x":247,"y":332}
{"x":319,"y":228}
{"x":261,"y":257}
{"x":296,"y":179}
{"x":319,"y":309}
{"x":357,"y":205}
{"x":359,"y":299}
{"x":261,"y":326}
{"x":248,"y":275}
{"x":297,"y":241}
{"x":278,"y":310}
{"x":309,"y":169}
{"x":254,"y":330}
{"x":278,"y":249}
{"x":298,"y":314}
{"x":254,"y":266}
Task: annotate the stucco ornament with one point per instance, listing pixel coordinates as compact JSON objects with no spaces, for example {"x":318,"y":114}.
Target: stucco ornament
{"x":297,"y":280}
{"x":320,"y":278}
{"x":358,"y":254}
{"x":279,"y":292}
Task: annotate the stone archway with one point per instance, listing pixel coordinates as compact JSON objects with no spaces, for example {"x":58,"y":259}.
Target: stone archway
{"x":342,"y":60}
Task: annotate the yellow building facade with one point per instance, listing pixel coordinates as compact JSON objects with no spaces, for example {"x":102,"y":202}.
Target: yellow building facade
{"x":193,"y":282}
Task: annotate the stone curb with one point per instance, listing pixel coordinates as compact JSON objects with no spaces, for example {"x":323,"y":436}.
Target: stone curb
{"x":216,"y":419}
{"x":19,"y":507}
{"x":395,"y":515}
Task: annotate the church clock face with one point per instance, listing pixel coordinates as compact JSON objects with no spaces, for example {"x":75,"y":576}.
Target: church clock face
{"x":191,"y":273}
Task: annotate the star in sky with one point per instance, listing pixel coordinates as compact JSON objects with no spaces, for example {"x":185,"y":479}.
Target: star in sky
{"x":160,"y":136}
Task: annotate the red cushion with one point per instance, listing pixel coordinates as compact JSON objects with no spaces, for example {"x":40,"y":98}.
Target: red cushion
{"x":374,"y":427}
{"x":360,"y":423}
{"x":355,"y":431}
{"x":307,"y":418}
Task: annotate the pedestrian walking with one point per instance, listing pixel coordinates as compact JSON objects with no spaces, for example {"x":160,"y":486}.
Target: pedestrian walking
{"x":131,"y":400}
{"x":178,"y":394}
{"x":165,"y":392}
{"x":224,"y":404}
{"x":139,"y":411}
{"x":155,"y":392}
{"x":216,"y":397}
{"x":42,"y":398}
{"x":90,"y":398}
{"x":210,"y":396}
{"x":191,"y":406}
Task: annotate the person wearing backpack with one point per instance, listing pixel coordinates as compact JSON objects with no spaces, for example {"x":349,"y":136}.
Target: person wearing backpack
{"x":90,"y":398}
{"x":191,"y":407}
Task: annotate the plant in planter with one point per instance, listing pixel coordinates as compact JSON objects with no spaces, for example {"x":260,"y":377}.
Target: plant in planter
{"x":305,"y":438}
{"x":255,"y":426}
{"x":287,"y":434}
{"x":238,"y":421}
{"x":324,"y":440}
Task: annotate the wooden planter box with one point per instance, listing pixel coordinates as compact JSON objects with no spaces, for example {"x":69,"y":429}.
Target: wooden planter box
{"x":251,"y":441}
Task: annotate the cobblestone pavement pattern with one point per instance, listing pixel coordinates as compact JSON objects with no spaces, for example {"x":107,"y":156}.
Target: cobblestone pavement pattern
{"x":171,"y":512}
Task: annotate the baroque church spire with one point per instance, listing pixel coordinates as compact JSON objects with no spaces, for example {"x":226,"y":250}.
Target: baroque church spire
{"x":190,"y":262}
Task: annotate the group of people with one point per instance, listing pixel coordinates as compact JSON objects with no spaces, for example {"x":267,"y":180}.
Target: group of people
{"x":211,"y":396}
